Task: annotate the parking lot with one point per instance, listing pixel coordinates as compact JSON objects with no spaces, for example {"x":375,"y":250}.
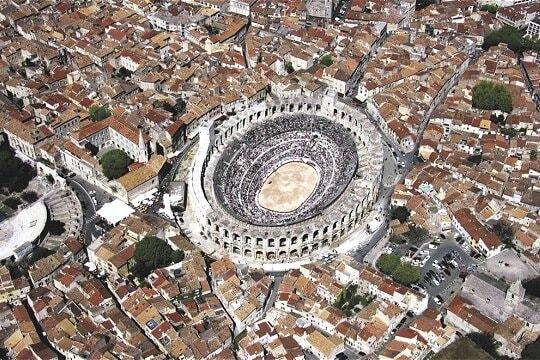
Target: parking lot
{"x":440,"y":261}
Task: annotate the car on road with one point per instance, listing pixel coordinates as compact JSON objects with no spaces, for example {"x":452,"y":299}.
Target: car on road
{"x":438,"y":300}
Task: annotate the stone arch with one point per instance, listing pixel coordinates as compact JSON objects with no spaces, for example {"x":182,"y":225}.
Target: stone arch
{"x":236,"y":250}
{"x":247,"y":253}
{"x":270,"y":255}
{"x":259,"y":255}
{"x":283,"y":254}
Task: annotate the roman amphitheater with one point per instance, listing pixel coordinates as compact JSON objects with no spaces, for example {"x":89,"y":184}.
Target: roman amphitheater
{"x":284,"y":179}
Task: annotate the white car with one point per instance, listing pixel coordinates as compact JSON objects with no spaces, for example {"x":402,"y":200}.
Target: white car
{"x":432,"y":246}
{"x":436,"y":266}
{"x":436,"y":282}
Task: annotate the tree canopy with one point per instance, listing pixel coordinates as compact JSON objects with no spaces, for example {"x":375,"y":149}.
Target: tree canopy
{"x":400,"y":212}
{"x":416,"y":235}
{"x":98,"y":113}
{"x":488,"y":95}
{"x":512,"y":37}
{"x":289,"y":67}
{"x":531,"y":351}
{"x":326,"y":60}
{"x":406,"y":274}
{"x":532,"y":286}
{"x":115,"y":163}
{"x":16,"y":174}
{"x":12,"y":202}
{"x":485,"y":342}
{"x":401,"y":272}
{"x":177,"y":109}
{"x":387,"y":263}
{"x":152,"y":253}
{"x":30,"y":196}
{"x":504,"y":231}
{"x":492,"y":8}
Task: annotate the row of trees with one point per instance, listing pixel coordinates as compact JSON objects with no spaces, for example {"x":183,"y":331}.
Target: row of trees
{"x":400,"y":271}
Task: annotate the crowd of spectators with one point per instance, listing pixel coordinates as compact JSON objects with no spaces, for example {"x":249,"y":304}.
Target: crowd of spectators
{"x":247,"y":162}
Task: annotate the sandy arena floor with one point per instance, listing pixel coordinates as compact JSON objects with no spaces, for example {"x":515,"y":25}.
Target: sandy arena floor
{"x":288,"y":187}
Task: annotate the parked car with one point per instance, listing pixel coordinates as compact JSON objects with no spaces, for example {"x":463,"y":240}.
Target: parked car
{"x":447,"y":272}
{"x":438,"y":300}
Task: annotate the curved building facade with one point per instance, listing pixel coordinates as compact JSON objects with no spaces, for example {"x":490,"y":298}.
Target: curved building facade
{"x":286,"y":178}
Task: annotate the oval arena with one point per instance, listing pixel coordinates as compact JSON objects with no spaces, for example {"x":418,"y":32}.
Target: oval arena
{"x":285,"y":179}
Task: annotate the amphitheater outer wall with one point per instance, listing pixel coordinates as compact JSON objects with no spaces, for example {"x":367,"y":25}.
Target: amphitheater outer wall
{"x":271,"y":244}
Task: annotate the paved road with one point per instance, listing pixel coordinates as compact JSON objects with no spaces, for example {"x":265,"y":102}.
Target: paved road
{"x":278,"y":277}
{"x":88,"y":208}
{"x":91,"y":198}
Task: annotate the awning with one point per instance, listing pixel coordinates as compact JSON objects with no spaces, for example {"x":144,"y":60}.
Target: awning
{"x":115,"y":211}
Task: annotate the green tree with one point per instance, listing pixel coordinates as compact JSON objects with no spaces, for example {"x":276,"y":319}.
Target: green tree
{"x":532,"y":286}
{"x":98,"y":113}
{"x":29,"y":196}
{"x":504,"y":231}
{"x":399,"y":212}
{"x":417,"y":235}
{"x":475,"y":159}
{"x":177,"y":109}
{"x":485,"y":342}
{"x":12,"y":202}
{"x":406,"y":274}
{"x":115,"y":163}
{"x":387,"y":263}
{"x":16,"y":174}
{"x":512,"y":37}
{"x":289,"y":67}
{"x":124,"y":73}
{"x":488,"y":95}
{"x":531,"y":351}
{"x":397,"y":239}
{"x":430,"y":30}
{"x":177,"y":256}
{"x":326,"y":60}
{"x":492,"y":8}
{"x":152,"y":253}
